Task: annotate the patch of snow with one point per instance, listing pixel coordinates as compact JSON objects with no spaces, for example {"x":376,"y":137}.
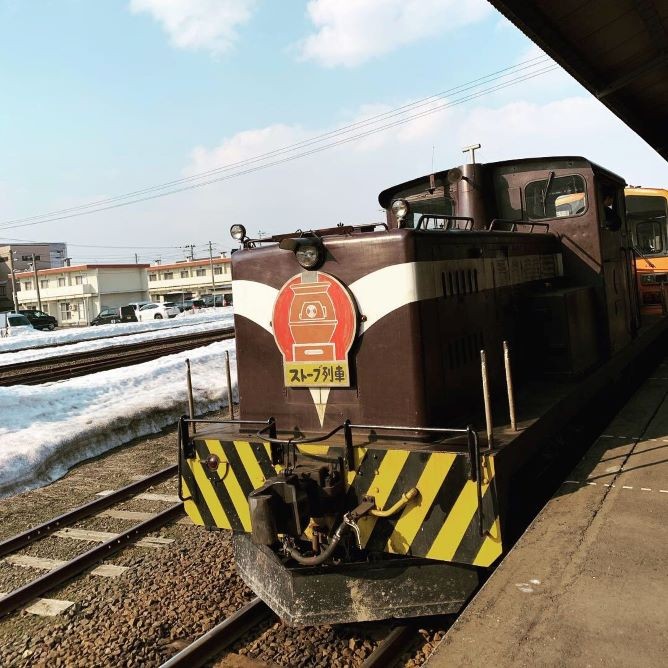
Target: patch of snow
{"x":39,"y":339}
{"x":48,"y":428}
{"x":194,"y":325}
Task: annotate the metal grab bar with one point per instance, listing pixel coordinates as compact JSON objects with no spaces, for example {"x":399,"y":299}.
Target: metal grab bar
{"x":514,"y":223}
{"x":450,"y":219}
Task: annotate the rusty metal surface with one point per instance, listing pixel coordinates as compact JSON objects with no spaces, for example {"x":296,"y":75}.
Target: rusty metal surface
{"x":614,"y":48}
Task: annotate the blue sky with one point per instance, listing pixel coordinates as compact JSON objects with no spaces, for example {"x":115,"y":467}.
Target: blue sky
{"x":103,"y":98}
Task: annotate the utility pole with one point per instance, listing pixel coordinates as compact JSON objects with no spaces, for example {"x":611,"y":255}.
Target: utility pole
{"x":213,"y":278}
{"x":192,"y":251}
{"x":34,"y":269}
{"x":136,"y":259}
{"x":11,"y":269}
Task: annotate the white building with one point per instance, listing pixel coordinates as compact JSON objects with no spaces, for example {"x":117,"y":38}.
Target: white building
{"x":19,"y":257}
{"x":190,"y":279}
{"x":75,"y":295}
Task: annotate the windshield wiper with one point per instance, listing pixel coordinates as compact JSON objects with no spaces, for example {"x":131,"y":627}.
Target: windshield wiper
{"x":546,"y":191}
{"x":640,"y":254}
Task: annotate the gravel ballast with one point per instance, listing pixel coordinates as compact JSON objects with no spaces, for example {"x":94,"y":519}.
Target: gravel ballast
{"x":169,"y":596}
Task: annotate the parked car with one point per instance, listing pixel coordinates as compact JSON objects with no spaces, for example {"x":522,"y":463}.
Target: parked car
{"x":219,"y":300}
{"x":137,"y":305}
{"x":110,"y":316}
{"x":39,"y":319}
{"x":189,"y":304}
{"x":155,"y":311}
{"x":14,"y":324}
{"x":107,"y":316}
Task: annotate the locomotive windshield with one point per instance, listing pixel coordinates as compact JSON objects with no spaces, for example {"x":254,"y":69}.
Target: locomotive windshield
{"x":556,"y":197}
{"x":647,"y":217}
{"x":433,"y":204}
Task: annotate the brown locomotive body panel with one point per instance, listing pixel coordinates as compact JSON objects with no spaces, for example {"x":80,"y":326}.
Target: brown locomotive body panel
{"x":427,"y":303}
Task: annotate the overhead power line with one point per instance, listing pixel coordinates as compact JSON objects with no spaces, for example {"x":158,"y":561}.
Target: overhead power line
{"x":327,"y":140}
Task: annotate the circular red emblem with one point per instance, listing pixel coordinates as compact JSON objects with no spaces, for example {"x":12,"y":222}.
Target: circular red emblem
{"x":314,"y":324}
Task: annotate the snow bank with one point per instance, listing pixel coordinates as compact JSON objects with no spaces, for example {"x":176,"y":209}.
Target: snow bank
{"x":39,"y":338}
{"x":194,"y":325}
{"x":48,"y":428}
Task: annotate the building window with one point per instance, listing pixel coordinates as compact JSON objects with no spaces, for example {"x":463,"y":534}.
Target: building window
{"x":18,"y":286}
{"x":200,"y":272}
{"x":152,"y":277}
{"x":168,"y":275}
{"x":61,"y":282}
{"x":28,"y":285}
{"x":44,"y":284}
{"x":65,"y":311}
{"x":184,"y":274}
{"x":218,"y":271}
{"x":28,"y":258}
{"x":78,"y":280}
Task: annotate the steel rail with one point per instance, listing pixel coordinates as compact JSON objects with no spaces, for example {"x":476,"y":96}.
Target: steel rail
{"x":69,"y":366}
{"x":48,"y":581}
{"x":21,"y":540}
{"x":389,"y":651}
{"x":221,"y":636}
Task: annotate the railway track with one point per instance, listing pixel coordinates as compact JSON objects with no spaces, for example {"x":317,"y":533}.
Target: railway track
{"x":63,"y":572}
{"x":221,"y":636}
{"x":62,"y":367}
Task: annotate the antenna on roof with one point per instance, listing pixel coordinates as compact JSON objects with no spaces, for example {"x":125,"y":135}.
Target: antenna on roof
{"x":472,"y":149}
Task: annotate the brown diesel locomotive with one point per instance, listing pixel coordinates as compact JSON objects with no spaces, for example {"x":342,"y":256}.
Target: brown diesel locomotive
{"x":361,"y":480}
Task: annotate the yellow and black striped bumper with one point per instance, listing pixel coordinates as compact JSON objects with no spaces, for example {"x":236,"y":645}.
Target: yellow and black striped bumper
{"x":442,"y":522}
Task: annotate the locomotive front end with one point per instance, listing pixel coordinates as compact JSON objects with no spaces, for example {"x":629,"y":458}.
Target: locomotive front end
{"x":352,"y":481}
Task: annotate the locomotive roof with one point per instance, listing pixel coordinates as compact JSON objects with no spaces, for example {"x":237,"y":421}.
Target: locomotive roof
{"x":386,"y":196}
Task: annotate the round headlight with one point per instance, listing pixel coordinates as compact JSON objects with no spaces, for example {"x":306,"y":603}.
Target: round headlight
{"x":309,"y":257}
{"x":400,"y":209}
{"x":238,"y":232}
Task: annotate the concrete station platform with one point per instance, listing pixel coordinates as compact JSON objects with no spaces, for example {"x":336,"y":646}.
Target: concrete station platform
{"x":587,"y":583}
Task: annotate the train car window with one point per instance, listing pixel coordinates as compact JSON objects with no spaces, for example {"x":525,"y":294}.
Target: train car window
{"x":648,"y":237}
{"x":646,"y":215}
{"x":428,"y":203}
{"x":556,"y":197}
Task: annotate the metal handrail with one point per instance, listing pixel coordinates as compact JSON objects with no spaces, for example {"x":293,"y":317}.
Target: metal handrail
{"x":449,"y":219}
{"x":514,"y":223}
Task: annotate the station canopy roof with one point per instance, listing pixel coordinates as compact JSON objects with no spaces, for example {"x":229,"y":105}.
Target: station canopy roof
{"x":617,"y":49}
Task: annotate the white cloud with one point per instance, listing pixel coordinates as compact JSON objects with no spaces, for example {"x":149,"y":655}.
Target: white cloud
{"x":198,"y":24}
{"x":342,"y":183}
{"x":350,"y":32}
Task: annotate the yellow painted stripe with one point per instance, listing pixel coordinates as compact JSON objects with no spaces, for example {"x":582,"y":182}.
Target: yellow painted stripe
{"x":210,"y":497}
{"x":491,"y":547}
{"x":381,"y":486}
{"x":317,"y":449}
{"x":229,"y":478}
{"x":451,"y":533}
{"x":190,"y":506}
{"x":358,"y":458}
{"x":250,"y":463}
{"x":412,"y":518}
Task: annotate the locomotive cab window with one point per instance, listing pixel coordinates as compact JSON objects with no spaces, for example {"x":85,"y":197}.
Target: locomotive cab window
{"x":556,"y":197}
{"x":429,"y":204}
{"x":648,"y":237}
{"x":647,"y":219}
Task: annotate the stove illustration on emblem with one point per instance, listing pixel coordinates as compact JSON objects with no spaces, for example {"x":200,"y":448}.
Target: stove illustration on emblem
{"x":315,"y":323}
